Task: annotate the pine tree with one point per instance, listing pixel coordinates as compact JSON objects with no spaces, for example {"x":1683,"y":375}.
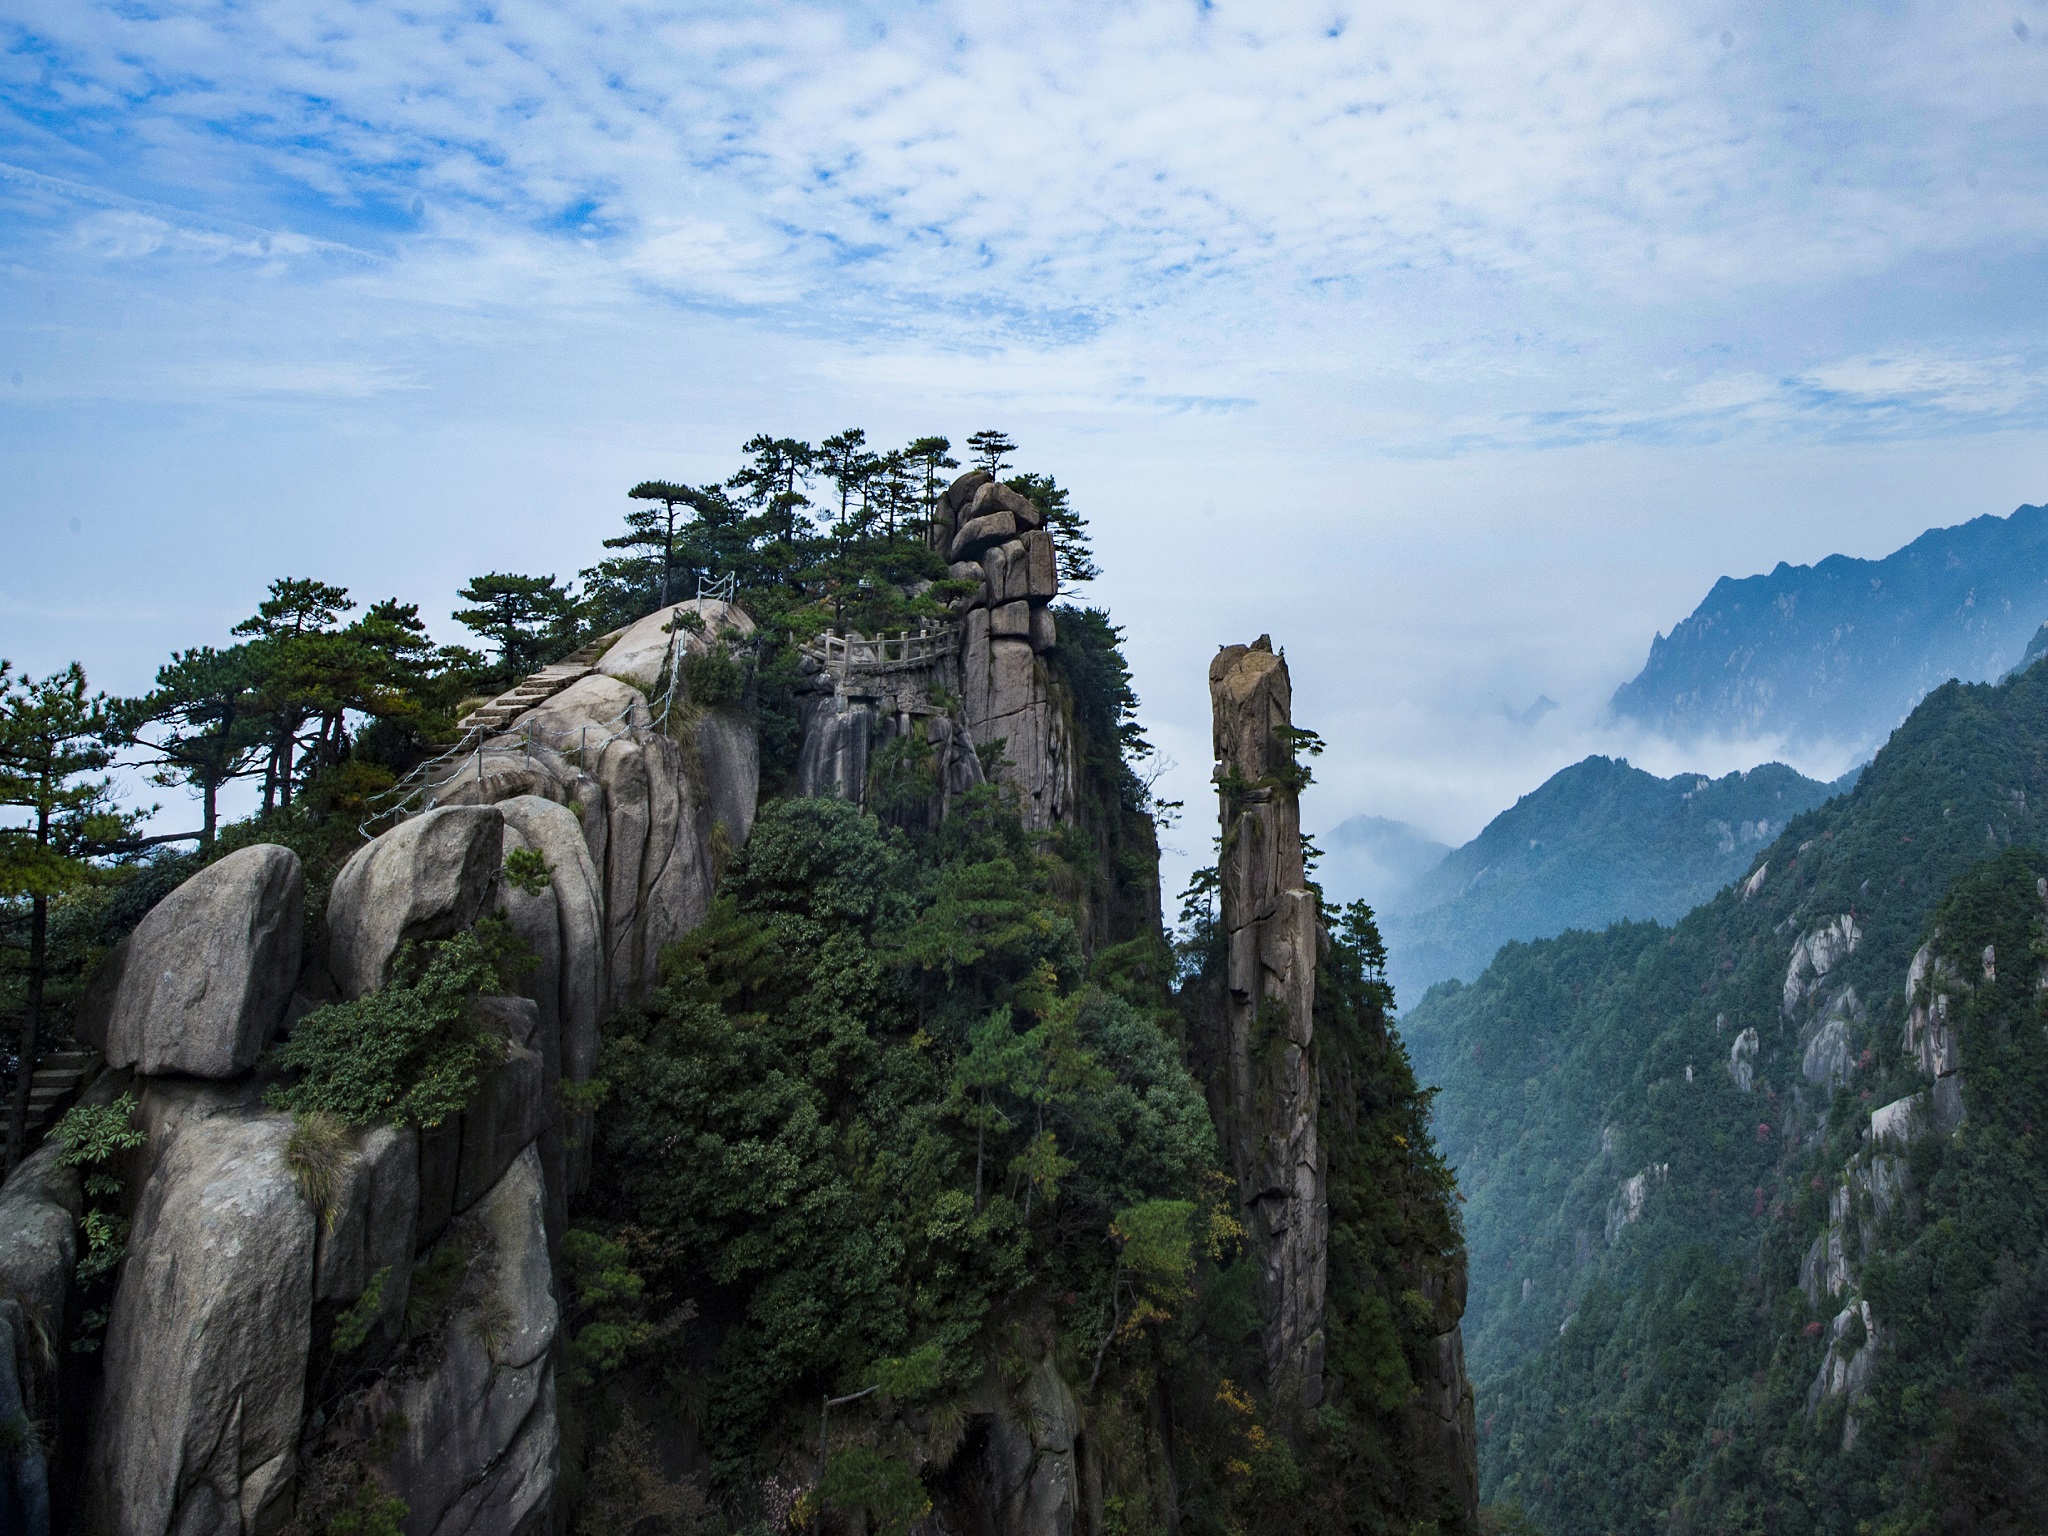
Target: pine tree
{"x":847,"y":463}
{"x":992,"y":450}
{"x":1069,"y":529}
{"x":655,"y":529}
{"x":283,"y":674}
{"x":931,"y":455}
{"x":202,"y":725}
{"x":53,"y":743}
{"x":531,"y":619}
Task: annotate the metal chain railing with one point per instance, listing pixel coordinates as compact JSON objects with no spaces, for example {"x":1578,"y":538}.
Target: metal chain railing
{"x":421,"y":784}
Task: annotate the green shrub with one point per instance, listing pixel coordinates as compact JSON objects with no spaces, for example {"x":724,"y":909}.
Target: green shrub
{"x":714,"y":678}
{"x":527,"y":869}
{"x":94,"y":1137}
{"x":883,"y":1488}
{"x":412,"y":1053}
{"x":352,"y":1327}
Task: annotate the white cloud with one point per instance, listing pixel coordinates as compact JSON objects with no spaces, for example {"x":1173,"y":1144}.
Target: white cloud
{"x":1461,"y":346}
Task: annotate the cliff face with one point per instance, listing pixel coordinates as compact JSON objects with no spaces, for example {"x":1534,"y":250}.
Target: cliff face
{"x":1269,"y":923}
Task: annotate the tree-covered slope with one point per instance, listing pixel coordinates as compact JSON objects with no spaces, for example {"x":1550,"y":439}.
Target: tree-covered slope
{"x":1646,"y":1178}
{"x":1594,"y":843}
{"x":1841,"y":650}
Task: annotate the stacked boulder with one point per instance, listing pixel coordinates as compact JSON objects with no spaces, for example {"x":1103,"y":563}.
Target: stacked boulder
{"x":996,"y":536}
{"x":978,"y":692}
{"x":230,"y":1397}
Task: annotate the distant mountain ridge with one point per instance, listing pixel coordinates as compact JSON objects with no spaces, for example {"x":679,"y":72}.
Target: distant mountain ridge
{"x":1842,"y":650}
{"x":1594,"y":843}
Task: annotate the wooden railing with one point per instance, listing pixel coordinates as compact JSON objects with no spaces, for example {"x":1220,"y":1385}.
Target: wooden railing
{"x":844,"y":654}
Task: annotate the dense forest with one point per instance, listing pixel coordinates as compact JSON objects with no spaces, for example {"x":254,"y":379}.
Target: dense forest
{"x":911,"y":1123}
{"x":1712,"y":1291}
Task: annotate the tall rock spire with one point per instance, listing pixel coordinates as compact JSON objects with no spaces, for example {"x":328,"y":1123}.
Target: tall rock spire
{"x":1270,"y":920}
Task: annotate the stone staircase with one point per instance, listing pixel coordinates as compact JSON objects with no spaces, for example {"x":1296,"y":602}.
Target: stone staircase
{"x":59,"y":1076}
{"x":535,"y":690}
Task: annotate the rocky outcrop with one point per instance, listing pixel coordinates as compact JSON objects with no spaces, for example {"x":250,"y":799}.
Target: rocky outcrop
{"x":202,"y":983}
{"x":1029,"y":1483}
{"x":426,"y":878}
{"x":1814,"y":956}
{"x":664,"y":790}
{"x":478,"y":1447}
{"x":977,"y":695}
{"x":206,"y":1345}
{"x":1270,"y":925}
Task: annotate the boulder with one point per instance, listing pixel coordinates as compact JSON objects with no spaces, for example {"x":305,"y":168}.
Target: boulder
{"x":564,"y":923}
{"x":202,"y":983}
{"x":39,"y":1210}
{"x":426,"y":878}
{"x":1011,"y":621}
{"x":978,"y":534}
{"x":641,"y":655}
{"x":1041,"y":568}
{"x":654,"y":856}
{"x":1044,"y":634}
{"x":961,"y":492}
{"x":478,"y":1451}
{"x":370,"y":1224}
{"x":995,"y":497}
{"x":995,"y":566}
{"x":206,"y":1347}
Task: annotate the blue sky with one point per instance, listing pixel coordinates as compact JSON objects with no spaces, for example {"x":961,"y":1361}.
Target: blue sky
{"x":1459,"y":347}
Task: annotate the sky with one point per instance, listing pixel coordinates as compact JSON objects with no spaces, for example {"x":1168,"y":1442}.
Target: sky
{"x":1459,"y":348}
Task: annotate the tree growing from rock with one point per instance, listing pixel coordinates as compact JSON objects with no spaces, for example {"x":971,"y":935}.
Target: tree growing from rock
{"x":1069,"y":529}
{"x":529,"y":619}
{"x":991,"y":449}
{"x":53,"y":756}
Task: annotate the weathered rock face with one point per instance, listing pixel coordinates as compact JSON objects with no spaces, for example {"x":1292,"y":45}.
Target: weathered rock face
{"x":206,"y":1346}
{"x":1269,"y":918}
{"x":39,"y":1208}
{"x":426,"y":878}
{"x":1029,"y":1482}
{"x":479,"y":1448}
{"x":202,"y":983}
{"x":663,"y":797}
{"x":1019,"y":727}
{"x":643,"y":654}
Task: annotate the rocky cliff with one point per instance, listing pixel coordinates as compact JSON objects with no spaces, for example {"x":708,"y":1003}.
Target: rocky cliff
{"x":304,"y":1301}
{"x":1270,"y":928}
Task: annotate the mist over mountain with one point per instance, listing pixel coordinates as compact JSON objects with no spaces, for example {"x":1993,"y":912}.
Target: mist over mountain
{"x":1377,"y":859}
{"x":1842,"y":650}
{"x":1594,"y":843}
